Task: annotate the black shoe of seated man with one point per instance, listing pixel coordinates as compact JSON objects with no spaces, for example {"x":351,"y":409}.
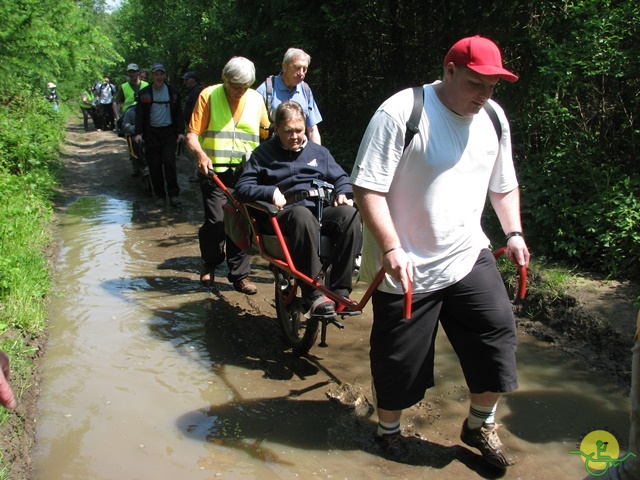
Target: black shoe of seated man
{"x":322,"y":305}
{"x":487,"y":441}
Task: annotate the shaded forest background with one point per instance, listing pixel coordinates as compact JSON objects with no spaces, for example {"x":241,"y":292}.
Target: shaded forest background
{"x":573,"y":114}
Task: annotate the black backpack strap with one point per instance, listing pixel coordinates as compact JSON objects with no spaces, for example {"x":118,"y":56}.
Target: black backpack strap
{"x":494,"y":119}
{"x":269,"y":92}
{"x":414,"y":119}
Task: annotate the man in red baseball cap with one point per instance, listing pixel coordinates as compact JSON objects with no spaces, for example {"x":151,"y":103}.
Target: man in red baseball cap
{"x":481,"y":55}
{"x":421,"y":201}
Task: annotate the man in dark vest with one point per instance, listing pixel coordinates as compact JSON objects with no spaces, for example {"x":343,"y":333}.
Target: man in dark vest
{"x":159,"y":122}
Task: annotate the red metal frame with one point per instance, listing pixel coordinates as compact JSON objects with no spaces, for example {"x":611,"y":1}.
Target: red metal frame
{"x":344,"y":304}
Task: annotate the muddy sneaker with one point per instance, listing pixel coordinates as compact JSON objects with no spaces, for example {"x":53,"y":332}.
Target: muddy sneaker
{"x":487,"y":441}
{"x":246,"y":286}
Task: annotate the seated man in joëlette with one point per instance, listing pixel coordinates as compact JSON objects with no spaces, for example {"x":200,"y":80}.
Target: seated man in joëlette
{"x":281,"y":171}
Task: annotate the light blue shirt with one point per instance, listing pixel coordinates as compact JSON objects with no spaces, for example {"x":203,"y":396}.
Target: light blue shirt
{"x":282,"y":93}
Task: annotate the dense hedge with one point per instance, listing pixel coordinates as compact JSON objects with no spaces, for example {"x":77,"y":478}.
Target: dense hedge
{"x":574,"y":113}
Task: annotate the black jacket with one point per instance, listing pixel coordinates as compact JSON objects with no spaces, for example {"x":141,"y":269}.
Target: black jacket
{"x":271,"y":166}
{"x":143,"y":112}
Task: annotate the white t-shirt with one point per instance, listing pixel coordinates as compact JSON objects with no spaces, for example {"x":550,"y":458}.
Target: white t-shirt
{"x":437,"y":190}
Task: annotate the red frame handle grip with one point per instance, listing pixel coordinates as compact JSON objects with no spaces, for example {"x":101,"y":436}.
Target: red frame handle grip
{"x":522,"y":272}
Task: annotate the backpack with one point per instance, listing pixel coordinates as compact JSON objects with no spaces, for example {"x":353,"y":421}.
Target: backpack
{"x":99,"y":86}
{"x":269,"y":98}
{"x":416,"y":113}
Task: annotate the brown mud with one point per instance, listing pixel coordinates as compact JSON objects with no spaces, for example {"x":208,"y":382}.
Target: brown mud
{"x":594,"y":323}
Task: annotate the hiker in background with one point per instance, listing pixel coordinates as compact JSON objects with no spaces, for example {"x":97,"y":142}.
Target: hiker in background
{"x":105,"y":92}
{"x":159,"y":122}
{"x":289,"y":84}
{"x":52,"y":95}
{"x":88,"y":108}
{"x":422,"y":207}
{"x":136,"y":151}
{"x":126,"y":98}
{"x":193,"y":88}
{"x":127,"y":93}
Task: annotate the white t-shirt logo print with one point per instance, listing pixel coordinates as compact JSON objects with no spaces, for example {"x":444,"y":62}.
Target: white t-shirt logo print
{"x":313,"y":163}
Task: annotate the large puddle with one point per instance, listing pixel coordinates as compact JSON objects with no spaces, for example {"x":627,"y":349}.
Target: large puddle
{"x":149,"y":376}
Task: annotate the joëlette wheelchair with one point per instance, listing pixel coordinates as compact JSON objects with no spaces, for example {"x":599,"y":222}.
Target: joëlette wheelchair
{"x":298,"y":325}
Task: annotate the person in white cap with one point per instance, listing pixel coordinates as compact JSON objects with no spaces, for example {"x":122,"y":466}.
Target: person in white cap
{"x":52,"y":95}
{"x":421,"y":207}
{"x":105,"y":91}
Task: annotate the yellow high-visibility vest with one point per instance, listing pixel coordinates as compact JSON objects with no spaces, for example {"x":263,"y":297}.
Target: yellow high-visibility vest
{"x":225,"y":142}
{"x":90,"y":99}
{"x":130,"y":94}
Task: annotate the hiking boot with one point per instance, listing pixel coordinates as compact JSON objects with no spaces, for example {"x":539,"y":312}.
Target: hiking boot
{"x":246,"y":286}
{"x":487,"y":441}
{"x":411,"y":450}
{"x":391,"y":443}
{"x":175,"y":201}
{"x":322,"y":305}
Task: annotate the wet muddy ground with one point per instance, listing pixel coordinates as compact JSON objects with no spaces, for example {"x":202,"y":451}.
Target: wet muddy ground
{"x":149,"y":375}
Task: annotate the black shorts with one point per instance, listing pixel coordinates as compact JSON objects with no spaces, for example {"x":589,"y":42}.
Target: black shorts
{"x":477,"y":317}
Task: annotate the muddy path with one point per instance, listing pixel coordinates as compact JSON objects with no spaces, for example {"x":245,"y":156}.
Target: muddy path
{"x":149,"y":375}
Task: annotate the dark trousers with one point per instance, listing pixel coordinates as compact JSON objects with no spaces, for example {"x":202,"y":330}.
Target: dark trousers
{"x":477,"y":317}
{"x":160,"y":151}
{"x":107,"y":119}
{"x":212,"y":236}
{"x":301,"y":227}
{"x":86,"y":113}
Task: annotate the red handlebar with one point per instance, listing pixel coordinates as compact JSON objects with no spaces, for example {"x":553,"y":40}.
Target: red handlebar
{"x":522,"y":272}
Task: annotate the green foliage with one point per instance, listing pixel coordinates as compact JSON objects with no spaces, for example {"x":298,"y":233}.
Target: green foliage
{"x":49,"y":40}
{"x":63,"y":41}
{"x":573,"y":113}
{"x":27,"y":166}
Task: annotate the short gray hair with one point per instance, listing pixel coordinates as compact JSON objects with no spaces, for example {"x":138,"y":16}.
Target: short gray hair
{"x":288,"y":110}
{"x":239,"y":70}
{"x":293,"y":53}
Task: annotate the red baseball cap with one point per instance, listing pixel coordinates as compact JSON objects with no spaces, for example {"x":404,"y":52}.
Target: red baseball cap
{"x":481,"y":55}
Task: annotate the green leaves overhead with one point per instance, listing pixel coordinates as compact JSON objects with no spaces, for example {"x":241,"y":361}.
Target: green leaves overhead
{"x":58,"y":40}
